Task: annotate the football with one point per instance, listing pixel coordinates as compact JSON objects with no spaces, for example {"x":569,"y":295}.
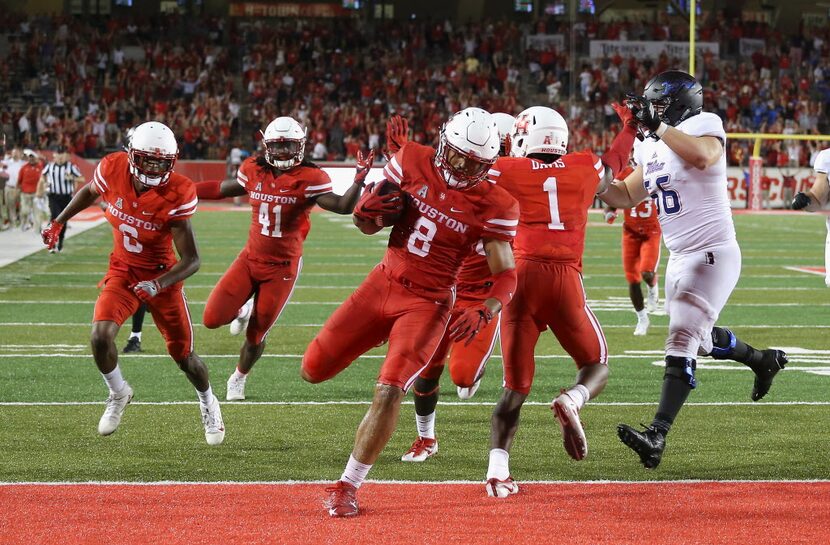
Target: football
{"x":386,"y":188}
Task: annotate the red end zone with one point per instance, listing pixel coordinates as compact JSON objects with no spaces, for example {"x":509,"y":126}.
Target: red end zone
{"x":572,"y":513}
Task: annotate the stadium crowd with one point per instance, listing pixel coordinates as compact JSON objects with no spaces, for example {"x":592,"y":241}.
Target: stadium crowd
{"x":82,"y":83}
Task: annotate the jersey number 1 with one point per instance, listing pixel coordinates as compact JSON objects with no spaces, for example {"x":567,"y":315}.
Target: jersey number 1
{"x":265,"y":220}
{"x":553,"y":200}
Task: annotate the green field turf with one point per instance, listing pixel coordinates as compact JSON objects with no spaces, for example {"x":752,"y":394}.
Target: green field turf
{"x":46,"y":304}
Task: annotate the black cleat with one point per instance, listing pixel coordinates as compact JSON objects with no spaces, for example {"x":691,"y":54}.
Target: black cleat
{"x":133,"y":345}
{"x":774,"y":361}
{"x":648,"y":444}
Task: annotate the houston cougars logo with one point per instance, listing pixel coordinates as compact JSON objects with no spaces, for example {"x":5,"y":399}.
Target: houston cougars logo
{"x":522,"y":124}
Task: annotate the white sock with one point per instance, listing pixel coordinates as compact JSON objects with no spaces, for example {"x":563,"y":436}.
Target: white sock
{"x":355,"y":472}
{"x":136,"y":335}
{"x":114,"y":380}
{"x":642,"y":315}
{"x":655,"y":288}
{"x":498,"y":468}
{"x":206,"y":396}
{"x":579,"y":394}
{"x":426,"y":425}
{"x":238,"y":375}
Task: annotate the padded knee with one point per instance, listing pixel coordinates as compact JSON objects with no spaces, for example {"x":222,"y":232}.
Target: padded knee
{"x":691,"y":320}
{"x":723,"y":343}
{"x":682,"y":369}
{"x":313,"y":367}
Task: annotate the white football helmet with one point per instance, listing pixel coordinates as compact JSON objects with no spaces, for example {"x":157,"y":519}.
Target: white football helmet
{"x":152,"y":149}
{"x":505,"y":124}
{"x":284,"y":143}
{"x":539,"y":130}
{"x":468,"y":147}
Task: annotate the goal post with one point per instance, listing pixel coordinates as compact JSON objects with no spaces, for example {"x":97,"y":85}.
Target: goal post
{"x":756,"y":162}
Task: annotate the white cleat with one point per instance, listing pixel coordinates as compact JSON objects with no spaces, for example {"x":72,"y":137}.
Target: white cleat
{"x":116,"y":404}
{"x":642,"y":326}
{"x":653,"y":299}
{"x":573,"y":436}
{"x":497,"y":488}
{"x":240,"y":323}
{"x":468,"y":393}
{"x":212,"y":421}
{"x":420,"y":450}
{"x":236,"y":388}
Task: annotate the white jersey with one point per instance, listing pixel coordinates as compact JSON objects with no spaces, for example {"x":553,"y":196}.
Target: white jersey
{"x":822,"y":164}
{"x":694,"y":207}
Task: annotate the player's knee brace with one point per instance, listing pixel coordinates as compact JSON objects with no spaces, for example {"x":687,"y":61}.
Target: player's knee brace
{"x":682,"y":369}
{"x":723,"y":343}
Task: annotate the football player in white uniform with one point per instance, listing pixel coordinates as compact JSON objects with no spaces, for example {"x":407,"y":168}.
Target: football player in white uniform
{"x":681,"y":164}
{"x":815,"y":198}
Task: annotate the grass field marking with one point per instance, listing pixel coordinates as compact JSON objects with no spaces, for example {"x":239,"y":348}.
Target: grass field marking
{"x":297,"y":356}
{"x":400,"y":482}
{"x":608,"y":326}
{"x":447,"y":403}
{"x":818,"y":271}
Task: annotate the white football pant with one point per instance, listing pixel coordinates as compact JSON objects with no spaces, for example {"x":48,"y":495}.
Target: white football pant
{"x":698,"y":284}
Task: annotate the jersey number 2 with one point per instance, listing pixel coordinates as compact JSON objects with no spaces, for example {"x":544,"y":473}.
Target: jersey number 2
{"x":553,"y":201}
{"x":265,"y":220}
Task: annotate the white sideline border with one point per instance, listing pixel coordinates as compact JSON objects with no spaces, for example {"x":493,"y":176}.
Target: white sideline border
{"x":402,"y":482}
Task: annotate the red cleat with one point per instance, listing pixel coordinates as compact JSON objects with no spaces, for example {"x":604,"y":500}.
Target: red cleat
{"x":342,"y":501}
{"x":420,"y":450}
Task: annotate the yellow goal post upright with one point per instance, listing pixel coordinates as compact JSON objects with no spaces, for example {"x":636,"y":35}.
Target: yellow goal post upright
{"x":756,"y":162}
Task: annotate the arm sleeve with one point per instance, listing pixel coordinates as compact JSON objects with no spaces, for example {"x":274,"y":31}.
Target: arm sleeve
{"x":319,"y":184}
{"x":186,"y":206}
{"x":501,"y":223}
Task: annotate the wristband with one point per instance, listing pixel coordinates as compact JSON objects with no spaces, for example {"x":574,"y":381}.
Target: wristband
{"x":504,"y":286}
{"x":661,"y":130}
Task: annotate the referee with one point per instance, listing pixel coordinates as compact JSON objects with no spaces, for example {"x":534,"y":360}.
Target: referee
{"x":59,"y":180}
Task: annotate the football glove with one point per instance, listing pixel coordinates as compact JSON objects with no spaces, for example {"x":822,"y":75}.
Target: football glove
{"x":467,"y":324}
{"x":801,"y":201}
{"x":610,"y":216}
{"x":625,"y":114}
{"x":397,"y":133}
{"x":146,"y":289}
{"x":52,"y":234}
{"x":372,"y":205}
{"x":643,"y":112}
{"x":364,"y":165}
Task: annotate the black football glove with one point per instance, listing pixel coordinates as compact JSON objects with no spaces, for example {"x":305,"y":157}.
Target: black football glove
{"x":644,"y":112}
{"x":800,"y":201}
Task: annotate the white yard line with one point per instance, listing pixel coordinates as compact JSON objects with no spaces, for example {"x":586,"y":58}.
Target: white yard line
{"x":449,"y":403}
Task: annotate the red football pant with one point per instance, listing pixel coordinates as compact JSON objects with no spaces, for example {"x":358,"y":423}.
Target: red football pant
{"x":271,"y":284}
{"x":548,"y":295}
{"x":466,"y":362}
{"x":117,"y":302}
{"x":640,"y":253}
{"x":381,"y":308}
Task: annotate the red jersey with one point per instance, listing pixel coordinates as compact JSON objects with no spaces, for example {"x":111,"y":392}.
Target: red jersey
{"x":281,"y":203}
{"x":441,"y":227}
{"x":141,"y":221}
{"x":554,"y":200}
{"x":29,"y":177}
{"x":474,"y":275}
{"x":642,"y":219}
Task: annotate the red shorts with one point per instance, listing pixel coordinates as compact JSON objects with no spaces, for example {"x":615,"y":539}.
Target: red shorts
{"x":413,"y":320}
{"x":271,"y":284}
{"x":466,"y":362}
{"x":548,"y":295}
{"x":117,"y":302}
{"x":640,"y":253}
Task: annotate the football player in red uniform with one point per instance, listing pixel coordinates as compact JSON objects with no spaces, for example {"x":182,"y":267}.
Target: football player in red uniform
{"x":554,"y":189}
{"x":466,"y":360}
{"x":408,"y":297}
{"x":149,"y":207}
{"x":640,"y":254}
{"x":282,"y":188}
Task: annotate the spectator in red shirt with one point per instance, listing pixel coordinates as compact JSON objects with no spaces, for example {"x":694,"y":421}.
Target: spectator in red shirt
{"x":27,"y":183}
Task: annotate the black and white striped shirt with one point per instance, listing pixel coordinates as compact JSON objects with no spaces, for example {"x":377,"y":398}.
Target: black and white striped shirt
{"x":60,"y":179}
